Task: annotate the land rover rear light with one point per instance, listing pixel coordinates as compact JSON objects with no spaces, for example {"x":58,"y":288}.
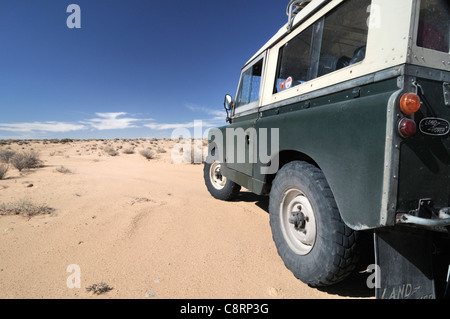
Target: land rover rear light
{"x":407,"y":127}
{"x":409,"y":103}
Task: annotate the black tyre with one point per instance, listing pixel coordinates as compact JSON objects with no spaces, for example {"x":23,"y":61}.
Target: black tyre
{"x":218,"y":185}
{"x":310,"y":236}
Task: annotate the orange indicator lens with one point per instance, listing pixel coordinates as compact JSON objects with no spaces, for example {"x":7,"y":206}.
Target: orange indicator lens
{"x":409,"y":103}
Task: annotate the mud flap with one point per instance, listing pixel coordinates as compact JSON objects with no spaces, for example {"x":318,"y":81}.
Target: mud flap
{"x":404,"y":259}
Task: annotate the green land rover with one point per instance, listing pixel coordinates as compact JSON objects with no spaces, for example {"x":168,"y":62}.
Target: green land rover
{"x":342,"y":118}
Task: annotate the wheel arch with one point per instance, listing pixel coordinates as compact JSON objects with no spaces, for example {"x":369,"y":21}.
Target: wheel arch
{"x":285,"y":157}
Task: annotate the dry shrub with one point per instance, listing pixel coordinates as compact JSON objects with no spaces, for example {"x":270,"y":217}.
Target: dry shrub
{"x":128,"y":150}
{"x":148,"y":153}
{"x":110,"y":151}
{"x":25,"y":208}
{"x":99,"y":288}
{"x":64,"y":170}
{"x":3,"y":170}
{"x":6,"y":155}
{"x":27,"y":159}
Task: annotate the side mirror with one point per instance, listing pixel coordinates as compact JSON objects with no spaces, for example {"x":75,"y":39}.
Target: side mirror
{"x":228,"y":102}
{"x":228,"y":105}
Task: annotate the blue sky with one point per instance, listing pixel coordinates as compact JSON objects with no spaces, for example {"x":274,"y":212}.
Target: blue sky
{"x":135,"y":68}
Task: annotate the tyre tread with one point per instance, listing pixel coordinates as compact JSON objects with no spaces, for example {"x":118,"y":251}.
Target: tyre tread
{"x":345,"y":256}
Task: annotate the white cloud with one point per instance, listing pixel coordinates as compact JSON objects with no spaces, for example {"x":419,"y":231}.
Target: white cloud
{"x":49,"y":126}
{"x":103,"y":121}
{"x":218,"y":114}
{"x":119,"y":121}
{"x":214,"y":118}
{"x":168,"y":126}
{"x":188,"y":125}
{"x":111,"y":121}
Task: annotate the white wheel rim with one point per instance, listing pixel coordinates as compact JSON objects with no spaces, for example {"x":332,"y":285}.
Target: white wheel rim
{"x":216,"y":177}
{"x":300,"y":237}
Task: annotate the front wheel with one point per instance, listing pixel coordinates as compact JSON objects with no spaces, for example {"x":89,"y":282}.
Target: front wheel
{"x":307,"y":229}
{"x":218,"y":185}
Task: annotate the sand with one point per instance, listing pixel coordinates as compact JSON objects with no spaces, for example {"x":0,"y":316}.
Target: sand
{"x":145,"y":228}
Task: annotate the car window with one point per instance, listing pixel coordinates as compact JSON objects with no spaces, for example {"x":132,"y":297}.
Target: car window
{"x":434,"y":25}
{"x":294,"y":62}
{"x":250,"y":84}
{"x":334,"y":42}
{"x":344,"y":36}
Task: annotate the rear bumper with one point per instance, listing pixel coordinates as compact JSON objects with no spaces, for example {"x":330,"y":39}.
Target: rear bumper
{"x":442,"y":220}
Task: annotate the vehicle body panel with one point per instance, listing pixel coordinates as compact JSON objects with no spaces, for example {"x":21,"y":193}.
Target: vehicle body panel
{"x":345,"y":122}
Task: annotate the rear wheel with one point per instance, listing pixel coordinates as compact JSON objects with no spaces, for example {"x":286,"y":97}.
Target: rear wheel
{"x":218,"y":185}
{"x":307,"y":229}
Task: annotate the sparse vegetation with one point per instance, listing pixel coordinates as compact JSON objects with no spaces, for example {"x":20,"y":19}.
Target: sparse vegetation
{"x":128,"y":150}
{"x":64,"y":170}
{"x":99,"y":288}
{"x":110,"y":151}
{"x":6,"y":155}
{"x":3,"y":170}
{"x":25,"y":208}
{"x":148,"y":153}
{"x":26,"y":159}
{"x":57,"y":141}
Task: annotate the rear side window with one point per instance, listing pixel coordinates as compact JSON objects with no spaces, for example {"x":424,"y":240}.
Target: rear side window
{"x":294,"y":62}
{"x":344,"y":36}
{"x":434,"y":25}
{"x":334,"y":42}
